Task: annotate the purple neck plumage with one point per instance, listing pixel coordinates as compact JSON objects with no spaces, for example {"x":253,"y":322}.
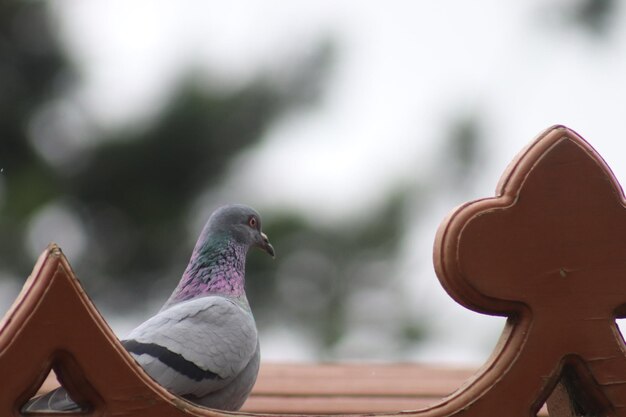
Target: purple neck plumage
{"x":217,"y":269}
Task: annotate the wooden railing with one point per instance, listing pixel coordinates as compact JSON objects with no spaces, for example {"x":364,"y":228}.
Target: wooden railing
{"x":548,"y":252}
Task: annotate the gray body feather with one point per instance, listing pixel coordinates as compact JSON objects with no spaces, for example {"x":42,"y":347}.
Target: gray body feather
{"x":214,"y":333}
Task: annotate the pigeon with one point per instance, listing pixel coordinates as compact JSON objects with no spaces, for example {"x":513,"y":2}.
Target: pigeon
{"x":202,"y":345}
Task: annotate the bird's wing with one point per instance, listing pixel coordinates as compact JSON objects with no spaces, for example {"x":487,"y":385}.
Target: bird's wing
{"x":195,"y":347}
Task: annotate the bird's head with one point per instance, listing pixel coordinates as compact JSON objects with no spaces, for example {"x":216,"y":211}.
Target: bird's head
{"x":240,"y":223}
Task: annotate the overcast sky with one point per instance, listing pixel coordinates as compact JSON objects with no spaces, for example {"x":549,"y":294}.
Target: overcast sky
{"x":403,"y":69}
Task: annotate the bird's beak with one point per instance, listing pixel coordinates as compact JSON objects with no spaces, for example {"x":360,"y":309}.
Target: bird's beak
{"x":267,"y":246}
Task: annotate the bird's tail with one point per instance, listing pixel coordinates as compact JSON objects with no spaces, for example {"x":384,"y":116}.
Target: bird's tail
{"x":57,"y":400}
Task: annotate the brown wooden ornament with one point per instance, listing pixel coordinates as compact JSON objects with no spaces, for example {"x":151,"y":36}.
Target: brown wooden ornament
{"x":548,"y":252}
{"x":53,"y":324}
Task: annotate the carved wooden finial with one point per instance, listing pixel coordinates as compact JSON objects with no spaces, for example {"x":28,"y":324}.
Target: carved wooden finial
{"x":53,"y":324}
{"x":548,"y":252}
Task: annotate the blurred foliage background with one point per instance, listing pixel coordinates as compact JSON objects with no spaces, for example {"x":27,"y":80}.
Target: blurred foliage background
{"x":121,"y":202}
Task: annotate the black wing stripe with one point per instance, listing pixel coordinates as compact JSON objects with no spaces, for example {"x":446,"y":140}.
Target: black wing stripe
{"x":171,"y":359}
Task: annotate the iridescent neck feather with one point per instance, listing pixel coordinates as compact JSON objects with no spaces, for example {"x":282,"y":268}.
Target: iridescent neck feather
{"x":216,"y":269}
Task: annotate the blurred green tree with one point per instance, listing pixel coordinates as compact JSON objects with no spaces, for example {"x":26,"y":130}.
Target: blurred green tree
{"x":132,"y":189}
{"x":142,"y":180}
{"x":31,"y":69}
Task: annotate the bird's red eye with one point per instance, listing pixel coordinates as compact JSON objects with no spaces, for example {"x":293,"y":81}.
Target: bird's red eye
{"x":252,"y":222}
